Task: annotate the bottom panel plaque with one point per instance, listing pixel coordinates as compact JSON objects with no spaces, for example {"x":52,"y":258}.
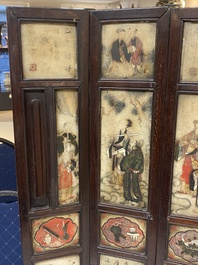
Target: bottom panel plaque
{"x":123,"y":232}
{"x":107,"y":260}
{"x":183,"y":244}
{"x":55,"y":232}
{"x":70,"y":260}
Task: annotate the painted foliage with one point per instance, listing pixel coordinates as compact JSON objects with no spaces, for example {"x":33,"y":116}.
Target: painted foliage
{"x":128,"y":50}
{"x":108,"y":260}
{"x":125,"y":147}
{"x":67,"y":146}
{"x":123,"y":232}
{"x":189,"y":63}
{"x":185,"y":174}
{"x":183,"y":244}
{"x":49,"y":50}
{"x":55,"y":232}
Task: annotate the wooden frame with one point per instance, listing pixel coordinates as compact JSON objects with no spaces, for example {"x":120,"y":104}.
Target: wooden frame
{"x":127,"y":88}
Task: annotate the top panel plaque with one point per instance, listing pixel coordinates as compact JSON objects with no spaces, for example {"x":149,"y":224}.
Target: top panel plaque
{"x":189,"y":63}
{"x":49,"y":50}
{"x":128,"y":50}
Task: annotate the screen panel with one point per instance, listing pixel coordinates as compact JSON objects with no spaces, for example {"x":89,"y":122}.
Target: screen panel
{"x":177,"y":227}
{"x":126,"y":109}
{"x":49,"y":65}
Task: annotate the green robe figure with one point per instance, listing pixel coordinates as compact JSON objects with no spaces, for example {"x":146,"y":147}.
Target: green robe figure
{"x":132,"y":165}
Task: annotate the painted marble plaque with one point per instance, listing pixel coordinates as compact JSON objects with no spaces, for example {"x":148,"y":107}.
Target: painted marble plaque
{"x":108,"y":260}
{"x":123,"y":232}
{"x":128,"y":50}
{"x":67,"y":146}
{"x":125,"y":147}
{"x":55,"y":232}
{"x":189,"y":62}
{"x":70,"y":260}
{"x":49,"y":50}
{"x":185,"y":173}
{"x":183,"y":244}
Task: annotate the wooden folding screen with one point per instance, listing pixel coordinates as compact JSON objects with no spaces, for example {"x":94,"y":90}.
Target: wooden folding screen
{"x":105,"y":125}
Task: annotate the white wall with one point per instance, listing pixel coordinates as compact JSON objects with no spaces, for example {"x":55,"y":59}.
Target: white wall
{"x":191,"y":3}
{"x":146,"y":3}
{"x":6,"y":125}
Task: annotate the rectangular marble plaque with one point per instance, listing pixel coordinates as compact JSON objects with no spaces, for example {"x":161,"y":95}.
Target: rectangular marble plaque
{"x":125,"y":147}
{"x":67,"y":146}
{"x":185,"y":173}
{"x":189,"y":62}
{"x":128,"y":50}
{"x":70,"y":260}
{"x":108,"y":260}
{"x":49,"y":50}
